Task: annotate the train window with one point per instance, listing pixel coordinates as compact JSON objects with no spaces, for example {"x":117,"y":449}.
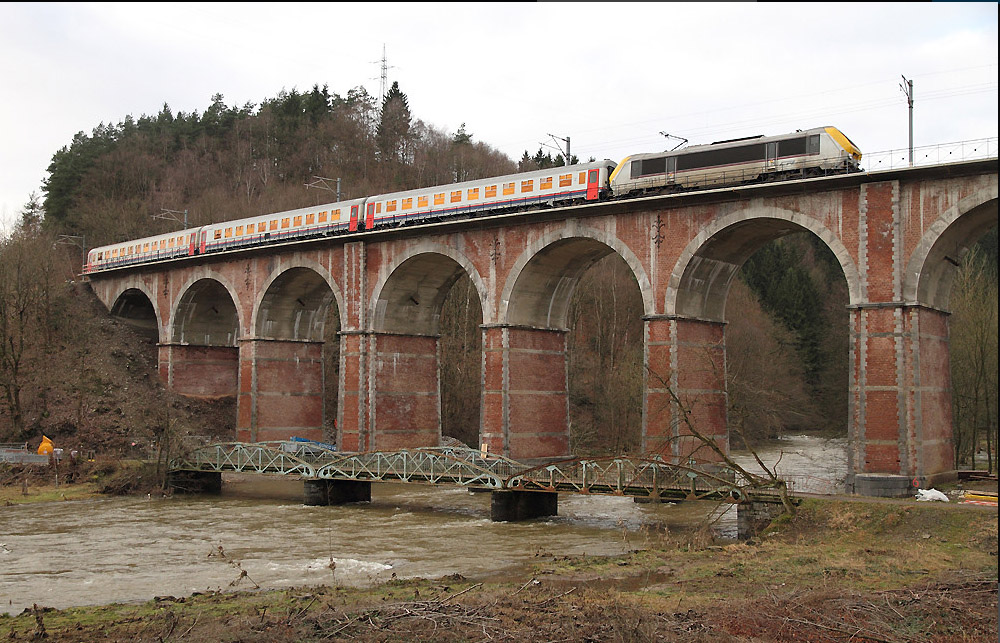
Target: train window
{"x":218,"y":234}
{"x":334,"y":215}
{"x":378,"y":208}
{"x":792,"y":147}
{"x":163,"y":244}
{"x":473,"y":194}
{"x":298,"y":221}
{"x":310,"y":219}
{"x":582,"y":179}
{"x":100,"y":255}
{"x":715,"y":158}
{"x":527,"y":186}
{"x":565,"y":180}
{"x":408,"y":204}
{"x":648,"y":167}
{"x":286,"y":222}
{"x":262,"y":226}
{"x":456,"y":196}
{"x":322,"y":217}
{"x":229,"y":233}
{"x":239,"y":231}
{"x":172,"y":242}
{"x":145,"y":247}
{"x":545,"y":184}
{"x":390,"y":206}
{"x":421,"y":202}
{"x":273,"y":225}
{"x":439,"y":199}
{"x":490,"y":192}
{"x":812,"y":144}
{"x":508,"y":188}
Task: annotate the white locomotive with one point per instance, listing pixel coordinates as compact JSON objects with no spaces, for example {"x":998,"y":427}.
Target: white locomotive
{"x":801,"y":154}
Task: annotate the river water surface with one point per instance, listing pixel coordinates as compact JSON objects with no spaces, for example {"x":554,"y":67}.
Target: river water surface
{"x":131,"y":549}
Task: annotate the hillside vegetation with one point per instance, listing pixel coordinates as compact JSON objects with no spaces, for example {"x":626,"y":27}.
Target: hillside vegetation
{"x":70,"y":371}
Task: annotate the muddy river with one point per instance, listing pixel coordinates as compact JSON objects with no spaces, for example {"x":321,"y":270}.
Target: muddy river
{"x":131,"y":549}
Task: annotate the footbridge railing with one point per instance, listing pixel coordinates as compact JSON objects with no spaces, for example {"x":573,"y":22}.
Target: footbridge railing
{"x":637,"y":477}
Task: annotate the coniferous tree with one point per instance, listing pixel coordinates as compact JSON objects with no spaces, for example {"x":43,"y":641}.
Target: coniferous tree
{"x":393,"y":131}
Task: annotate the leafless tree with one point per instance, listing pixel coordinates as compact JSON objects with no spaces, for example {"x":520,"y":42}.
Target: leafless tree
{"x":973,"y":330}
{"x":26,"y":279}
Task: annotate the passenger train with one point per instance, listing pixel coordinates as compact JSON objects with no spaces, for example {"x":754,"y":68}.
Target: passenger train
{"x":813,"y":152}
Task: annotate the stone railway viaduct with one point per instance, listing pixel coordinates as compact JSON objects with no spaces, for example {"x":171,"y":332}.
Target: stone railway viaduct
{"x":250,"y":323}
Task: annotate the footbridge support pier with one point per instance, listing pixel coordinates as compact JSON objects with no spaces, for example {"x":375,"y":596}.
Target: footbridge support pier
{"x":515,"y":506}
{"x":181,"y":481}
{"x":322,"y":493}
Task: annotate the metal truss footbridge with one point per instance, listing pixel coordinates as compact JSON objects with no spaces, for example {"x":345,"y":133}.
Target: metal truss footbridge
{"x":641,"y":477}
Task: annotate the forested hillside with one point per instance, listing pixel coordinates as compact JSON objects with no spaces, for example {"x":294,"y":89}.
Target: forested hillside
{"x":787,"y":341}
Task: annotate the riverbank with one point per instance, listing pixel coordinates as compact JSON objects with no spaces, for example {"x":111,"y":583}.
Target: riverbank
{"x":901,"y":571}
{"x":74,"y":480}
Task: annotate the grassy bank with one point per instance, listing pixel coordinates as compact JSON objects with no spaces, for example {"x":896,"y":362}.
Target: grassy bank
{"x":838,"y":570}
{"x":24,"y":484}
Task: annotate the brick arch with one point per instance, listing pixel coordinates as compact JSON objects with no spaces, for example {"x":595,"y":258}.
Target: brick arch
{"x":410,"y":290}
{"x":933,"y":263}
{"x":558,"y":268}
{"x":311,"y":298}
{"x":136,"y":283}
{"x":184,"y":292}
{"x":699,"y":282}
{"x":292,"y":263}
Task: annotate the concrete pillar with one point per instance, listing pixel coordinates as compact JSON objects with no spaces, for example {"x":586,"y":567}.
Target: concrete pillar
{"x":320,"y":493}
{"x":688,"y":357}
{"x":525,"y":401}
{"x":200,"y":371}
{"x":900,"y":421}
{"x":404,"y":401}
{"x":195,"y":482}
{"x":514,"y":506}
{"x":281,"y":390}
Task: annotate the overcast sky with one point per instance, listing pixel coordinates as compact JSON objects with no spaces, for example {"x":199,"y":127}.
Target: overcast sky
{"x":609,"y":76}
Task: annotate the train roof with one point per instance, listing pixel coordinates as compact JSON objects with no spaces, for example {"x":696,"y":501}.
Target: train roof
{"x":520,"y":176}
{"x":734,"y":142}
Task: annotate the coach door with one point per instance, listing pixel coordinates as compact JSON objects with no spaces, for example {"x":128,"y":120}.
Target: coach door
{"x":353,"y":224}
{"x":194,"y":239}
{"x":204,"y":238}
{"x":771,"y":153}
{"x":593,"y":184}
{"x":370,"y":217}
